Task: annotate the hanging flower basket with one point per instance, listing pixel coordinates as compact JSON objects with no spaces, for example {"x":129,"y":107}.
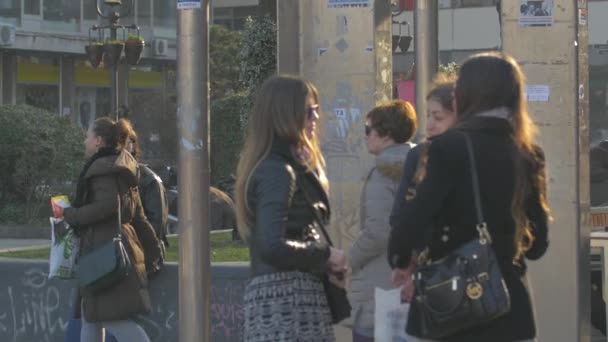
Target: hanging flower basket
{"x":404,"y":43}
{"x":133,"y":48}
{"x":111,"y":52}
{"x":396,"y":39}
{"x":95,"y":53}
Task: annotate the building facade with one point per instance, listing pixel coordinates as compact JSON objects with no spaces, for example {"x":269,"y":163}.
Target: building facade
{"x":42,"y":61}
{"x":468,"y":27}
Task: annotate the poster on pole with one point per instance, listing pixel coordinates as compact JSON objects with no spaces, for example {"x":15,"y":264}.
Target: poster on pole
{"x":536,"y":12}
{"x":188,"y":4}
{"x":348,"y":3}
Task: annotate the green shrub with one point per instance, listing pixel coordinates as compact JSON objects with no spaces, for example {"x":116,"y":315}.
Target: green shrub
{"x":259,"y":52}
{"x":40,"y":153}
{"x":224,"y":46}
{"x":226,"y":135}
{"x":450,"y":69}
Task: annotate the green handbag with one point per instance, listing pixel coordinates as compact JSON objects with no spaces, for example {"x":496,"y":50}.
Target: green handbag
{"x":106,"y":266}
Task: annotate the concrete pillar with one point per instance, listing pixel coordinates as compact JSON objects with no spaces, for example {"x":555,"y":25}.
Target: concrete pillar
{"x":346,"y":53}
{"x":556,"y":56}
{"x":67,"y":89}
{"x":288,"y":37}
{"x":9,"y":77}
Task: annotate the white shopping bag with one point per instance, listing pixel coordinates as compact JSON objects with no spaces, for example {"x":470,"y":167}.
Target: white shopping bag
{"x":64,"y":248}
{"x":390,"y":317}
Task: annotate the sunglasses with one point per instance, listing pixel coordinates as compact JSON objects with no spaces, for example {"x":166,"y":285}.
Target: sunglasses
{"x":368,"y":130}
{"x":311,"y":111}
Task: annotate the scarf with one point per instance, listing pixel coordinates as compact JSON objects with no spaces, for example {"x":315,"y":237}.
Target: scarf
{"x":500,"y":112}
{"x":81,"y":186}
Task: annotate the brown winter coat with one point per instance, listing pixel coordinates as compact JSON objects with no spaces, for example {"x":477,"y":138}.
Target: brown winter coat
{"x":98,"y":221}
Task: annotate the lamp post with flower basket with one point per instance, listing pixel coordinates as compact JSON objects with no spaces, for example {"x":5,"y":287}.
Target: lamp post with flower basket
{"x":110,"y":49}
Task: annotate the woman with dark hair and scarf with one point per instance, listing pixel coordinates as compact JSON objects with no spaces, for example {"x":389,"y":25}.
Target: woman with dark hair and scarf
{"x":441,"y":215}
{"x":110,"y":172}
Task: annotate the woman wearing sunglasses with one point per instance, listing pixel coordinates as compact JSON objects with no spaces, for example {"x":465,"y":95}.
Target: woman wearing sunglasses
{"x":388,"y":129}
{"x":281,"y":195}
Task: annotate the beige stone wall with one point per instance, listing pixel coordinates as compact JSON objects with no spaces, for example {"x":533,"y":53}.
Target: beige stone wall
{"x":347,"y":54}
{"x":549,"y":56}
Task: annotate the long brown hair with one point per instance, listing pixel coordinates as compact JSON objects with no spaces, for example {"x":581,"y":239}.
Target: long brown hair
{"x":493,"y":80}
{"x":279,"y":111}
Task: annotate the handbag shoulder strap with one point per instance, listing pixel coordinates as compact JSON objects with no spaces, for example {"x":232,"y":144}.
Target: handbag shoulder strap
{"x":481,"y":223}
{"x":474,"y":179}
{"x":119,"y":228}
{"x":317,"y":216}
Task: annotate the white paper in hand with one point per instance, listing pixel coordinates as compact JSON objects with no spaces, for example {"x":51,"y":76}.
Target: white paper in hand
{"x":390,"y":316}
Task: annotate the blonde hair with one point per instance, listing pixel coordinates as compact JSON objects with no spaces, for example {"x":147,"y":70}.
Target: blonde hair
{"x":279,"y":111}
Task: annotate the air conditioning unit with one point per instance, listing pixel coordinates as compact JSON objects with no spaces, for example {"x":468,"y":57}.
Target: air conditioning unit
{"x":7,"y":34}
{"x":160,"y":47}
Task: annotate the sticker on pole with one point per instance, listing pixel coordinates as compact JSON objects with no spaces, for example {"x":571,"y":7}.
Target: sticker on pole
{"x":188,"y":4}
{"x":348,"y":3}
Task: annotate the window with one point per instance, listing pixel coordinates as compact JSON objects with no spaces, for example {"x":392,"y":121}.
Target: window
{"x":10,"y":11}
{"x":31,"y":7}
{"x":61,"y":15}
{"x":165,"y":13}
{"x":144,"y":12}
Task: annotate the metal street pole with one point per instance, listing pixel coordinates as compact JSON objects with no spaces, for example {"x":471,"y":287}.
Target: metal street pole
{"x":193,"y":119}
{"x":114,"y":90}
{"x":114,"y":17}
{"x":426,"y":42}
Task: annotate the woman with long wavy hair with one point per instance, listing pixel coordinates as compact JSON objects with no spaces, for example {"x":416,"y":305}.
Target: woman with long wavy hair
{"x":491,"y":108}
{"x":281,"y":195}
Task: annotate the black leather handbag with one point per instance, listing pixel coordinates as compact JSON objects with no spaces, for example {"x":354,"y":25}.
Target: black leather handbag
{"x":106,"y":266}
{"x":465,"y":288}
{"x":337,"y":299}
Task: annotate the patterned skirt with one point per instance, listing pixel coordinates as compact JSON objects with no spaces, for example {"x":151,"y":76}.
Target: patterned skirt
{"x":287,"y":306}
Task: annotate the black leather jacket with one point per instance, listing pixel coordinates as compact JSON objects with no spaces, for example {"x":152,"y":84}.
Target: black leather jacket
{"x":285,"y":235}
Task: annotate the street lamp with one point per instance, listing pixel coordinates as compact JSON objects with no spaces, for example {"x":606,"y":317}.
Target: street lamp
{"x":112,"y":49}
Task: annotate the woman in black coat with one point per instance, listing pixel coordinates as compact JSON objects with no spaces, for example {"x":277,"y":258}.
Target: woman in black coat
{"x":491,"y":107}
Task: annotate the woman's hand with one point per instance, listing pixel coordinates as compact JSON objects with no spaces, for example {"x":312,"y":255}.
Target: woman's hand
{"x":338,"y":269}
{"x":407,"y":291}
{"x":337,"y":261}
{"x":337,"y":279}
{"x":400,"y":276}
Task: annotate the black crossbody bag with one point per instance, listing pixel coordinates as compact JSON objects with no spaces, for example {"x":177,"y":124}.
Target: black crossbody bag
{"x":337,"y":300}
{"x":107,"y":265}
{"x":465,"y":288}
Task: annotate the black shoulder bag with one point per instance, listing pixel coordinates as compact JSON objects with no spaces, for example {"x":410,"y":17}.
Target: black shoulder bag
{"x":337,"y":300}
{"x":466,"y":288}
{"x":106,"y":266}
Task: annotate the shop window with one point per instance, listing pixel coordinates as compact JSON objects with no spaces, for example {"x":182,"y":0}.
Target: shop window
{"x":39,"y":96}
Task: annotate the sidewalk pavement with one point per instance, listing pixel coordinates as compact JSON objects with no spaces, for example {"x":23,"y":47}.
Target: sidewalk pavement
{"x":20,"y":244}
